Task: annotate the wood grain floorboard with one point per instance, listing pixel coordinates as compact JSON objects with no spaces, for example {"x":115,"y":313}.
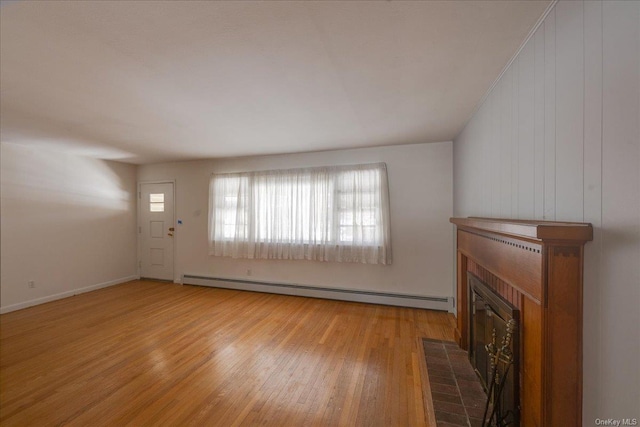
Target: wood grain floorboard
{"x":149,"y":353}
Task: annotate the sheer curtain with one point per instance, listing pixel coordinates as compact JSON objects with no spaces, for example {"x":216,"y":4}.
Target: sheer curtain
{"x":338,"y":213}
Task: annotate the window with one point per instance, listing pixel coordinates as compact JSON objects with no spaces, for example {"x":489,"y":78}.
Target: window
{"x":156,"y":202}
{"x":325,"y":214}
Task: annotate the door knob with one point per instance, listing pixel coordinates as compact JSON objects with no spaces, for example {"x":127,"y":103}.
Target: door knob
{"x":171,"y":229}
{"x":170,"y":234}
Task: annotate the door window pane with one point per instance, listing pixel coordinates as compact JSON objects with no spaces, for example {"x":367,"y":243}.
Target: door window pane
{"x":156,"y":202}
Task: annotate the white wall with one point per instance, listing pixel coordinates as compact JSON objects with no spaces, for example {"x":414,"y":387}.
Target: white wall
{"x":420,"y":181}
{"x":68,"y":224}
{"x":558,"y":138}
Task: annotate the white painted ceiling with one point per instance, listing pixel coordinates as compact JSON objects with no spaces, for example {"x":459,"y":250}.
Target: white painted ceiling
{"x":146,"y":81}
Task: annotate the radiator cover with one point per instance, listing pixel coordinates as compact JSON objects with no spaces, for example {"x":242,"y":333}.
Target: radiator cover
{"x":401,"y":300}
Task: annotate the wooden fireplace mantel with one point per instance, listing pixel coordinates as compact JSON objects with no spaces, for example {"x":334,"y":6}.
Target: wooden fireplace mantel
{"x":537,"y":266}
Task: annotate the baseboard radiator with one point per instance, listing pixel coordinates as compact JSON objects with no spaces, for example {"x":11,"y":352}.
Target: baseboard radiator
{"x":402,"y":300}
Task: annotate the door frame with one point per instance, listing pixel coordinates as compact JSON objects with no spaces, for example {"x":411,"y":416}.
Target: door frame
{"x":139,"y":223}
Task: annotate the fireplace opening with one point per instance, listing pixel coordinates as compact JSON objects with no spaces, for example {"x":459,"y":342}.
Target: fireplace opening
{"x":489,"y":317}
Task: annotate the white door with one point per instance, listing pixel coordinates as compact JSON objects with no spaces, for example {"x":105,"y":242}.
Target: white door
{"x":156,"y":229}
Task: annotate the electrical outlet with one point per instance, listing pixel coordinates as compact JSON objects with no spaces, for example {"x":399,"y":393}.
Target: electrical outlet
{"x":31,"y":284}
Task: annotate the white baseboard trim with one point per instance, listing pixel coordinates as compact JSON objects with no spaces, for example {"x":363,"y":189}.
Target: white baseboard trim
{"x":49,"y":298}
{"x":401,"y":300}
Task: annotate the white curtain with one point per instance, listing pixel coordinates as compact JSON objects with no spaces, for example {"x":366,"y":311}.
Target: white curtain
{"x":336,"y":214}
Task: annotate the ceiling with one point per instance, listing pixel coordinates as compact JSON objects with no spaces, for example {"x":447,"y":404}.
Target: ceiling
{"x":145,"y":81}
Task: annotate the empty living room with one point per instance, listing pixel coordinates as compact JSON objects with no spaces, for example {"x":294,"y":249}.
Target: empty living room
{"x":320,"y":213}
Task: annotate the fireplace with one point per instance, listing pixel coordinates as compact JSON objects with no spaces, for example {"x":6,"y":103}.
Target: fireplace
{"x":489,"y":314}
{"x":537,"y":267}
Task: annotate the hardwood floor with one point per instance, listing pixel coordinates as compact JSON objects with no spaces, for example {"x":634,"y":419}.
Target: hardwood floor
{"x":148,"y":353}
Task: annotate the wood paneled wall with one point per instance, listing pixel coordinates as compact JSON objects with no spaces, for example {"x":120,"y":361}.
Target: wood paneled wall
{"x":558,"y":138}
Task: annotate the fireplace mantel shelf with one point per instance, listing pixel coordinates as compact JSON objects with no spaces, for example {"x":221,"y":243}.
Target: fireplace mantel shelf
{"x":536,"y":266}
{"x":535,"y":230}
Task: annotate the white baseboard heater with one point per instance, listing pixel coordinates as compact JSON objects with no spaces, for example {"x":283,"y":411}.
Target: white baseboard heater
{"x":402,"y":300}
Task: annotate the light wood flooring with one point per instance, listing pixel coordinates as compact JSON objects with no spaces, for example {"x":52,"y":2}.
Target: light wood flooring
{"x":149,"y":353}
